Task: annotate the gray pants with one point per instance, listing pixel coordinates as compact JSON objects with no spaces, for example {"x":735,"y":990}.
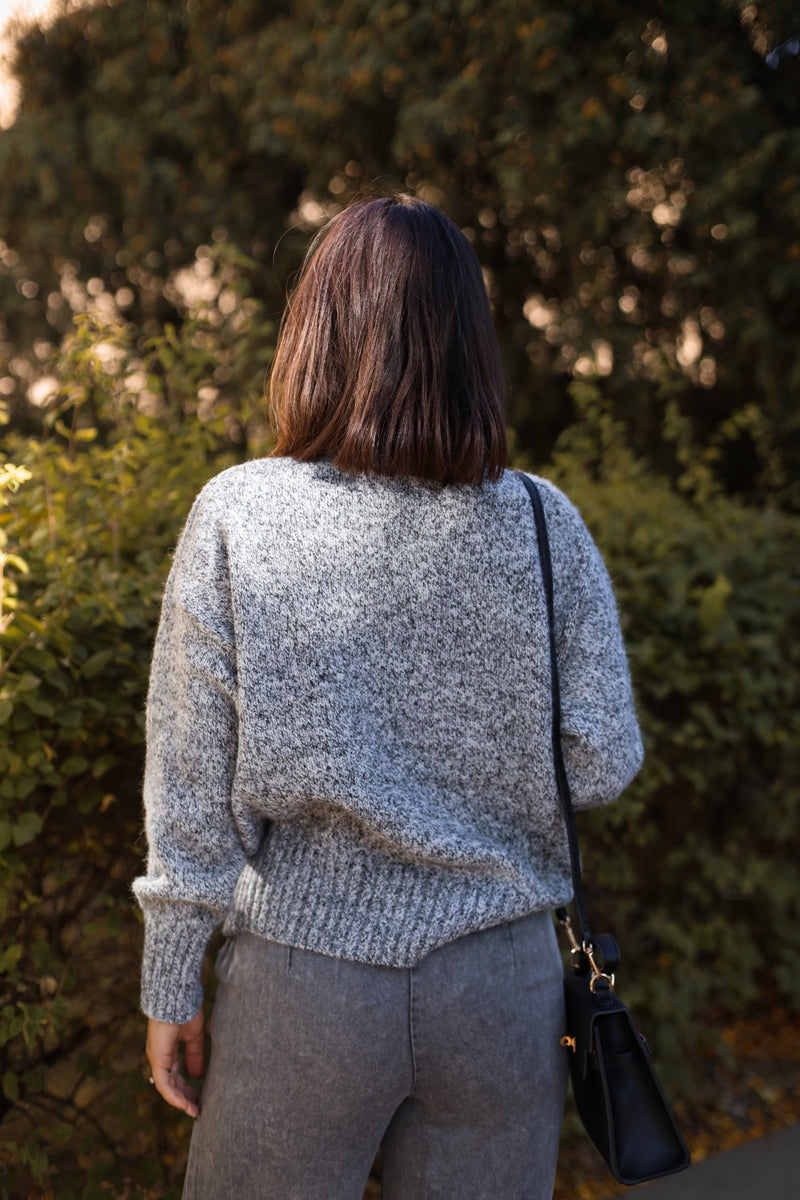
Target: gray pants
{"x":453,"y":1067}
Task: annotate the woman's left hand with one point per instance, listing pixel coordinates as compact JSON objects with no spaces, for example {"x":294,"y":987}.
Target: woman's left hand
{"x":163,"y":1039}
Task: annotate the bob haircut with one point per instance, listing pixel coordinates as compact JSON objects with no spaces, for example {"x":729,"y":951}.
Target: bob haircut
{"x":387,"y":362}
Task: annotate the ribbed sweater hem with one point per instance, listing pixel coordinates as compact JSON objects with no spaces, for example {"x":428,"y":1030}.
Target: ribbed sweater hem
{"x":372,"y":909}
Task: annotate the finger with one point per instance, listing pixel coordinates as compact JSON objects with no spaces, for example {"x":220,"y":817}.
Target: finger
{"x":173,"y":1088}
{"x":162,"y":1053}
{"x":194,"y":1035}
{"x":195,"y":1055}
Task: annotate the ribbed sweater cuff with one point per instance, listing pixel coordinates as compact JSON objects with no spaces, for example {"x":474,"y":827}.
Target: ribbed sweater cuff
{"x":175,"y":940}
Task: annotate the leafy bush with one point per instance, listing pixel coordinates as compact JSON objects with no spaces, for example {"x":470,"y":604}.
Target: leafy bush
{"x":96,"y":506}
{"x":696,"y":866}
{"x":691,"y":868}
{"x":632,"y":189}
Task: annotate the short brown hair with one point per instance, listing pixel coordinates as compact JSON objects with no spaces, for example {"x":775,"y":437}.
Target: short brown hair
{"x":387,"y":362}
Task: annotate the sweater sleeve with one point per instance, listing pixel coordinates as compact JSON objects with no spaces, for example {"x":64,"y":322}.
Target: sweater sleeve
{"x":195,"y":852}
{"x":599,"y":731}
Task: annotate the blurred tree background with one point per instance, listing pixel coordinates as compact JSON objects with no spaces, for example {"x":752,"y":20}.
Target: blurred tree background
{"x":630,"y":180}
{"x":629,"y":176}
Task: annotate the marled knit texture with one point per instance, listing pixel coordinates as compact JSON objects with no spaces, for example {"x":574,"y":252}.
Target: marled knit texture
{"x":348,"y":722}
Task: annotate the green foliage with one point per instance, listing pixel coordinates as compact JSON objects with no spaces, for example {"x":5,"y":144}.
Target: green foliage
{"x":630,"y":184}
{"x":90,"y":514}
{"x":696,"y":866}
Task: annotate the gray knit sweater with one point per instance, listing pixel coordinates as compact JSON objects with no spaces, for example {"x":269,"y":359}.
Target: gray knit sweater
{"x":348,"y":722}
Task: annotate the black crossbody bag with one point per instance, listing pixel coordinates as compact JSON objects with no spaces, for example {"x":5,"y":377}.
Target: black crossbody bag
{"x":617,"y":1093}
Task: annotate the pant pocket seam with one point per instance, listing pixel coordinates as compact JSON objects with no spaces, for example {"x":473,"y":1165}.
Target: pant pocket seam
{"x":513,"y":948}
{"x":224,"y":954}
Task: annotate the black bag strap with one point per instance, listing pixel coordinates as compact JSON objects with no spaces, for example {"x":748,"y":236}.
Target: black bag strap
{"x":604,"y":942}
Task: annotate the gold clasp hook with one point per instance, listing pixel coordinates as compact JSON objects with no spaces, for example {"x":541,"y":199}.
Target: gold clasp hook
{"x":587,"y":949}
